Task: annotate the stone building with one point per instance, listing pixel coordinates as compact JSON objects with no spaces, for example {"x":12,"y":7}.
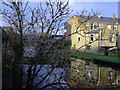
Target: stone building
{"x":92,"y":33}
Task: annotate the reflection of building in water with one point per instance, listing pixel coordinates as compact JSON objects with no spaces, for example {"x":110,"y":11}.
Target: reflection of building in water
{"x":87,"y":74}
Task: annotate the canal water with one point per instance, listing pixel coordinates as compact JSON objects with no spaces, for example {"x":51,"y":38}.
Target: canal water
{"x":85,"y":74}
{"x":80,"y":74}
{"x":54,"y":76}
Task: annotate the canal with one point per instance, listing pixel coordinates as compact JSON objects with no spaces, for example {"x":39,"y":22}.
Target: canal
{"x":80,"y":74}
{"x":89,"y":73}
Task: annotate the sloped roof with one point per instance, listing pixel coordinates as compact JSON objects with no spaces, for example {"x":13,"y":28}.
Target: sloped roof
{"x":101,"y":20}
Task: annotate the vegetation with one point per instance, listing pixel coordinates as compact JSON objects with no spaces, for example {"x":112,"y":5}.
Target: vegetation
{"x":89,"y":56}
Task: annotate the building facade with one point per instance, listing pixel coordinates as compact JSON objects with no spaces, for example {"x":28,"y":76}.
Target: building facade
{"x":92,"y":33}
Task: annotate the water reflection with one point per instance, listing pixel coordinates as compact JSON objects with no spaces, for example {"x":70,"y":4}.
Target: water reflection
{"x":85,"y":74}
{"x":53,"y":75}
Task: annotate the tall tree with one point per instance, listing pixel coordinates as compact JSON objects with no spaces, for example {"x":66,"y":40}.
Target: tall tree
{"x":36,"y":25}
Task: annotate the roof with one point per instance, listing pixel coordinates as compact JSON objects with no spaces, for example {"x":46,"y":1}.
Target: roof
{"x":101,"y":20}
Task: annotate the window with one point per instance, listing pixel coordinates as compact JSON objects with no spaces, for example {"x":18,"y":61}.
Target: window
{"x":95,"y":26}
{"x":90,"y":72}
{"x":110,"y":75}
{"x":92,"y":26}
{"x":91,"y":38}
{"x":78,"y":38}
{"x":111,"y":37}
{"x":98,"y":26}
{"x":109,"y":26}
{"x":115,"y":27}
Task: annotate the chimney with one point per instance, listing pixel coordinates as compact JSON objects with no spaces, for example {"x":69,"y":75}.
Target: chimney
{"x":99,"y":15}
{"x":113,"y":16}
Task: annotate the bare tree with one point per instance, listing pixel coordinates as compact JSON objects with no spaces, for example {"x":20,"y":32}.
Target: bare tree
{"x":14,"y":14}
{"x":35,"y":27}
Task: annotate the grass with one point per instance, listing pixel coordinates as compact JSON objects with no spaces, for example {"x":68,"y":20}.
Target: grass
{"x":89,"y":56}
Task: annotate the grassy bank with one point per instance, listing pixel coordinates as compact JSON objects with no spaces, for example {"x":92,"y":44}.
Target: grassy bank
{"x":89,"y":56}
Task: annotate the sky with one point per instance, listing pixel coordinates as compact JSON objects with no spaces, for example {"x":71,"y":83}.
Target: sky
{"x":105,"y":7}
